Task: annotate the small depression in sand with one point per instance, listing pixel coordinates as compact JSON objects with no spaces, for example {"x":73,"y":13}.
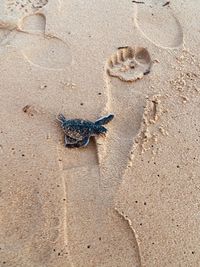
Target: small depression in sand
{"x":129,"y":63}
{"x":159,"y":24}
{"x":127,"y":85}
{"x":38,"y":49}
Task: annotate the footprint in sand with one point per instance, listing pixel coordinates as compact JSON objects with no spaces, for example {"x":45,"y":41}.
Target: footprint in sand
{"x":39,"y":49}
{"x":129,"y":63}
{"x":126,"y":100}
{"x":29,"y":36}
{"x":158,"y":23}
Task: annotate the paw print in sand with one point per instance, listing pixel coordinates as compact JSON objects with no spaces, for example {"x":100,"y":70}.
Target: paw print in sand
{"x":129,"y":63}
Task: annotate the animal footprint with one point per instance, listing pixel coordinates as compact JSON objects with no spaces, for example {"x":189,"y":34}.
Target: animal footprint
{"x":129,"y":63}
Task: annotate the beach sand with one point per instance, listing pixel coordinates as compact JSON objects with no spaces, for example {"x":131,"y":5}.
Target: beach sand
{"x":131,"y":198}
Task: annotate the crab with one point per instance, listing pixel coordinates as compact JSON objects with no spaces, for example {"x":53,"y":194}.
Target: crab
{"x":78,"y":131}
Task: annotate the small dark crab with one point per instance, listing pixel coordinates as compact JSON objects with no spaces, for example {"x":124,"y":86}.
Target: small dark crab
{"x":78,"y":132}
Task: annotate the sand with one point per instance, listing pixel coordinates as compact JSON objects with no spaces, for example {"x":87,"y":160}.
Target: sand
{"x":132,"y":198}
